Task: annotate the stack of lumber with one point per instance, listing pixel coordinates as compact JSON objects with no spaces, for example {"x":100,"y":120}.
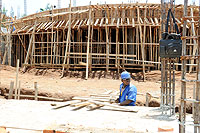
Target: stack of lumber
{"x":95,"y":101}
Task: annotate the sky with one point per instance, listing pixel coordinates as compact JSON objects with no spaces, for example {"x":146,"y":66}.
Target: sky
{"x":34,"y":6}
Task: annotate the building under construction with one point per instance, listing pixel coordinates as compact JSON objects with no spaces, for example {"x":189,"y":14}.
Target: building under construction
{"x":103,"y":37}
{"x":110,"y":37}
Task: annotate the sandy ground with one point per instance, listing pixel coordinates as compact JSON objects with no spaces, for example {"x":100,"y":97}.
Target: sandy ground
{"x":28,"y":116}
{"x":51,"y":84}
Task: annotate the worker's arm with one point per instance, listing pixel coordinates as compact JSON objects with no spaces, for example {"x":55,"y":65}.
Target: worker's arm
{"x":126,"y":102}
{"x":117,"y":100}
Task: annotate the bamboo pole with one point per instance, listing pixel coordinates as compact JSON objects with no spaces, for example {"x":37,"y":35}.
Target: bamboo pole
{"x":116,"y":60}
{"x":36,"y":91}
{"x":182,"y":115}
{"x":29,"y":48}
{"x":144,"y":36}
{"x":195,"y":42}
{"x":5,"y":54}
{"x":52,"y":34}
{"x":48,"y":49}
{"x":142,"y":46}
{"x":68,"y":39}
{"x":10,"y":45}
{"x":33,"y":50}
{"x":107,"y":48}
{"x":16,"y":79}
{"x":88,"y":43}
{"x":11,"y":90}
{"x":19,"y":89}
{"x":90,"y":55}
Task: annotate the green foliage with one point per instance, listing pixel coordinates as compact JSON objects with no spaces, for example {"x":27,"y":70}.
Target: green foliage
{"x":4,"y":11}
{"x":48,"y":7}
{"x":41,"y":9}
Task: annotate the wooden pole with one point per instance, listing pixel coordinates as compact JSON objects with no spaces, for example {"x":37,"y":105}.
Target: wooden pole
{"x":33,"y":49}
{"x":88,"y":43}
{"x":10,"y":45}
{"x":107,"y":48}
{"x":29,"y":48}
{"x":116,"y":57}
{"x":144,"y":36}
{"x":197,"y":93}
{"x":52,"y":39}
{"x":16,"y":81}
{"x":11,"y":90}
{"x":5,"y":53}
{"x":19,"y":89}
{"x":36,"y":91}
{"x":195,"y":46}
{"x":182,"y":115}
{"x":68,"y":39}
{"x":142,"y":46}
{"x":90,"y":55}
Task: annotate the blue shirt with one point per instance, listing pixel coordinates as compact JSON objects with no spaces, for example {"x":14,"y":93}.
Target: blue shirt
{"x":129,"y":93}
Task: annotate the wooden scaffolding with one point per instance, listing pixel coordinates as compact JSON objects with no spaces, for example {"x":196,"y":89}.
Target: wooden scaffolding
{"x":195,"y":57}
{"x":106,"y":37}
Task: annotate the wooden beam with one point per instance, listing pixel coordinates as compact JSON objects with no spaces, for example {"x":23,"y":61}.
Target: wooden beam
{"x":114,"y":106}
{"x":141,"y":41}
{"x":68,"y":40}
{"x":102,"y":19}
{"x":112,"y":22}
{"x":41,"y":97}
{"x":182,"y":112}
{"x":75,"y":24}
{"x":80,"y":24}
{"x":29,"y":48}
{"x":19,"y":89}
{"x":88,"y":44}
{"x":62,"y":23}
{"x":10,"y":95}
{"x":80,"y":104}
{"x":36,"y":91}
{"x":128,"y":22}
{"x":16,"y":79}
{"x":118,"y":22}
{"x":152,"y":21}
{"x":96,"y":22}
{"x":195,"y":46}
{"x":94,"y":106}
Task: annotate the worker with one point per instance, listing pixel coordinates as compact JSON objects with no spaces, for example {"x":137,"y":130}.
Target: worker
{"x":128,"y":91}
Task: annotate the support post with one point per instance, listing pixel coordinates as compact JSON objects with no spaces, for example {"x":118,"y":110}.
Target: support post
{"x":68,"y":39}
{"x":36,"y":91}
{"x":88,"y":43}
{"x":11,"y":90}
{"x":182,"y":115}
{"x":16,"y":81}
{"x":19,"y":88}
{"x":29,"y":48}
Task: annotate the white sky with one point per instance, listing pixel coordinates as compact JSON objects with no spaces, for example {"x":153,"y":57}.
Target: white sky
{"x":34,"y":5}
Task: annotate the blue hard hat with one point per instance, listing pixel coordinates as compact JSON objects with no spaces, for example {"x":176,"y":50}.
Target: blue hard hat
{"x":125,"y":75}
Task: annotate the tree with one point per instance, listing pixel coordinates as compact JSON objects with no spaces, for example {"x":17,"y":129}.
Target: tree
{"x":4,"y":11}
{"x":48,"y":7}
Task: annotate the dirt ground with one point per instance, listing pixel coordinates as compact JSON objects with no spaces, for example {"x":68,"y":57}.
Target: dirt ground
{"x":50,"y":84}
